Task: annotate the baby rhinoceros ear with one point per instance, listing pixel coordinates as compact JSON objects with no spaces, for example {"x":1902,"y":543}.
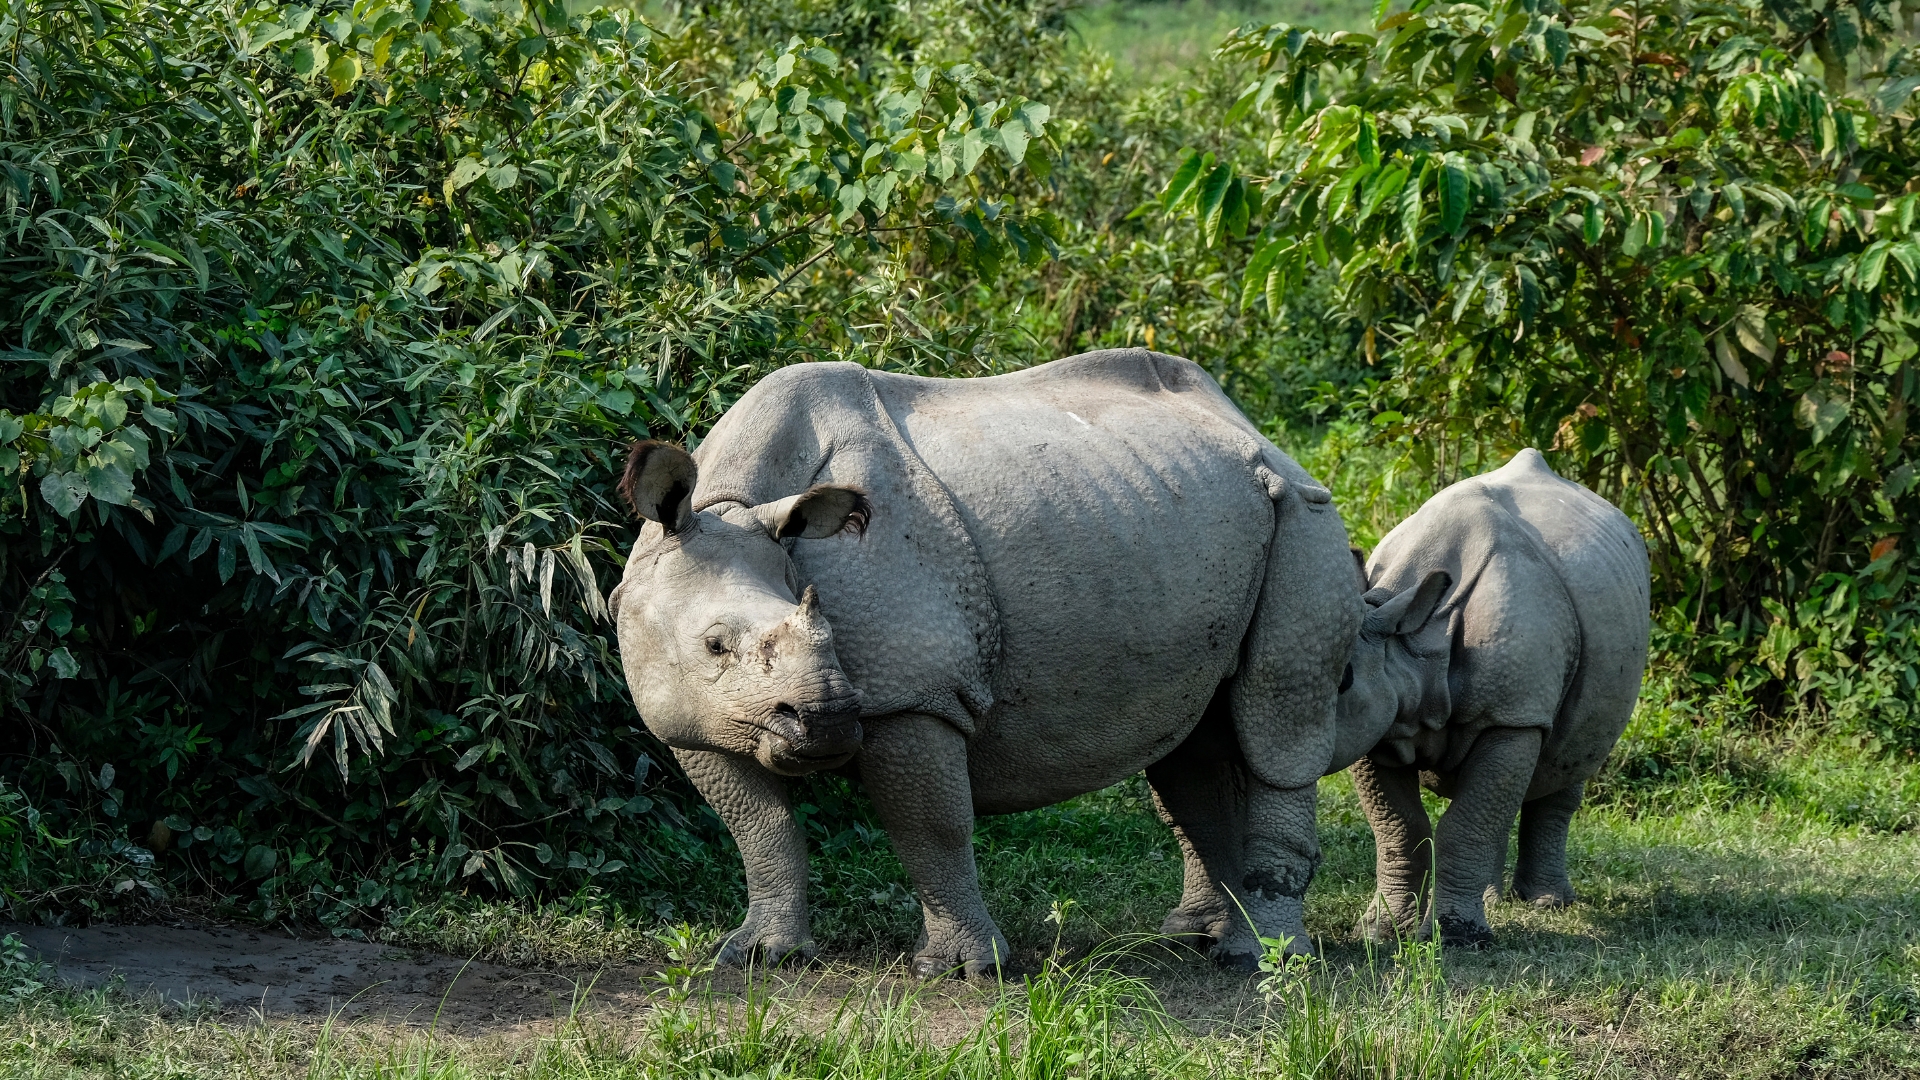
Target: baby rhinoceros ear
{"x":816,"y":513}
{"x":1407,"y":613}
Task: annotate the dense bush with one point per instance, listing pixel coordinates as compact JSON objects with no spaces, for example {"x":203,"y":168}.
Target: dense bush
{"x":323,"y":330}
{"x":1653,"y":245}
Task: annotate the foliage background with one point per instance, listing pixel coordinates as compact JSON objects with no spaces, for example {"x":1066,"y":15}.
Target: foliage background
{"x":324,"y":327}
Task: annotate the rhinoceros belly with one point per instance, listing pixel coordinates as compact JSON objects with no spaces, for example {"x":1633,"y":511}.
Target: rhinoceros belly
{"x":1124,"y":535}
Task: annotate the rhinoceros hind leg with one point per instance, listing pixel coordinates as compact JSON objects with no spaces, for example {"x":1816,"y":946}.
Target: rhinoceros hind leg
{"x":1200,"y":791}
{"x":1403,"y":851}
{"x":1282,"y":853}
{"x":1472,"y":837}
{"x":914,"y":767}
{"x":1540,"y":876}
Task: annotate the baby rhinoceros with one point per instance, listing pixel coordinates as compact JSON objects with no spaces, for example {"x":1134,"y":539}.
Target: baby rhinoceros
{"x":1501,"y":657}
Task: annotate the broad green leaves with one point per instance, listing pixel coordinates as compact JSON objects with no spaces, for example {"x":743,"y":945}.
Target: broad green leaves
{"x":1661,"y":251}
{"x":325,"y":329}
{"x":81,"y":445}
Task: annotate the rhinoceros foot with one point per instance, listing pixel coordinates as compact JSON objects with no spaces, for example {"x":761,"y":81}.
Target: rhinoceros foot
{"x":1241,"y":963}
{"x":1196,"y":928}
{"x":1460,"y":932}
{"x":937,"y":967}
{"x":1547,"y":896}
{"x":1379,"y":925}
{"x":964,"y":948}
{"x":767,"y":940}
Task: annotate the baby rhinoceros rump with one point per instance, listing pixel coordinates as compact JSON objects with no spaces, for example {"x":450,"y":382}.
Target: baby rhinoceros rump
{"x":989,"y":595}
{"x":1502,"y":656}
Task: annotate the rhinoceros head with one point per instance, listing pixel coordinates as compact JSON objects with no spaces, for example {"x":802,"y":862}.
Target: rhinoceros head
{"x":719,"y":651}
{"x":1397,"y":670}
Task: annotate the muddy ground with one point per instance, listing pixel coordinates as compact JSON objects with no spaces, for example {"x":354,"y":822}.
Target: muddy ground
{"x":244,"y":973}
{"x":257,"y":971}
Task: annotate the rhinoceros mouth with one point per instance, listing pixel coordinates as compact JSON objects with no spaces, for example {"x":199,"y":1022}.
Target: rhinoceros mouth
{"x":801,"y":741}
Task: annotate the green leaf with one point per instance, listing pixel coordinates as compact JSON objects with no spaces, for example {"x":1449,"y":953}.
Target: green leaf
{"x":1821,"y":413}
{"x":1636,"y":238}
{"x":850,"y":197}
{"x":310,"y":57}
{"x":1181,"y":185}
{"x":1366,"y":143}
{"x":1873,"y":263}
{"x":1013,"y":139}
{"x":1593,"y":223}
{"x":1907,"y":254}
{"x":1455,"y":190}
{"x":972,"y":145}
{"x":260,"y":861}
{"x":1736,"y":201}
{"x":1750,"y":326}
{"x":64,"y":491}
{"x":502,"y":177}
{"x":1213,"y":194}
{"x":1557,"y":44}
{"x":1894,"y":94}
{"x":66,"y":667}
{"x":343,"y":72}
{"x":466,"y":171}
{"x":111,"y":484}
{"x":1254,"y":281}
{"x":1729,"y":359}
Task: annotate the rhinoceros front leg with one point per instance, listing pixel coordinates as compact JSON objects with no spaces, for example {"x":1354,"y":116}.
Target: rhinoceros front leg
{"x":914,"y":768}
{"x":1403,"y":850}
{"x":752,"y":802}
{"x":1540,"y":874}
{"x":1472,"y":836}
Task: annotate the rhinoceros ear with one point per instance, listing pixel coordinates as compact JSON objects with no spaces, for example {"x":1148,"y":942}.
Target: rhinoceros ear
{"x":820,"y":511}
{"x":1408,"y":612}
{"x":659,"y":484}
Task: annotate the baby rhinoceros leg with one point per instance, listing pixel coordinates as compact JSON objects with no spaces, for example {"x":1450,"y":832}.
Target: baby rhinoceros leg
{"x":1403,"y":850}
{"x":914,"y":767}
{"x":1472,"y":837}
{"x":1540,"y":875}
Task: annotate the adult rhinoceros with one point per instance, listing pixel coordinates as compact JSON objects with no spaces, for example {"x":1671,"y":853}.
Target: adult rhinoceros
{"x":1502,"y":656}
{"x":988,"y":595}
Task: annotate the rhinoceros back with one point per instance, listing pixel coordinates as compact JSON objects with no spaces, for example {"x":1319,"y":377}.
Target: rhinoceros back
{"x":1603,"y":563}
{"x":1063,"y":561}
{"x":1574,"y":554}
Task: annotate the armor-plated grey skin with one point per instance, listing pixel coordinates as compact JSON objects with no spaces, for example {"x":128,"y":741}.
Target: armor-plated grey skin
{"x":1502,"y":655}
{"x":1069,"y":574}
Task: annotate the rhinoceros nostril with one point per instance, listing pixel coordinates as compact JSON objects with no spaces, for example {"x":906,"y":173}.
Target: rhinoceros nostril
{"x":786,"y":710}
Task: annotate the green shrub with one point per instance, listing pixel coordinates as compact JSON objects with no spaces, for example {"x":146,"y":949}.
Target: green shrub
{"x":325,"y":328}
{"x":1656,"y":248}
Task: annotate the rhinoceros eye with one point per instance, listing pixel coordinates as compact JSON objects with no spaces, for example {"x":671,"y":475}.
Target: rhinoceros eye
{"x":716,"y":646}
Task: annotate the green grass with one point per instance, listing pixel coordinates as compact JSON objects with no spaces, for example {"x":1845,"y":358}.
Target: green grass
{"x":1160,"y":41}
{"x":1751,"y":908}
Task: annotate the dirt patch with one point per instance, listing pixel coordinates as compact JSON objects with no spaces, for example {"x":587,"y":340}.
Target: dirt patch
{"x":259,"y":971}
{"x":243,"y":973}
